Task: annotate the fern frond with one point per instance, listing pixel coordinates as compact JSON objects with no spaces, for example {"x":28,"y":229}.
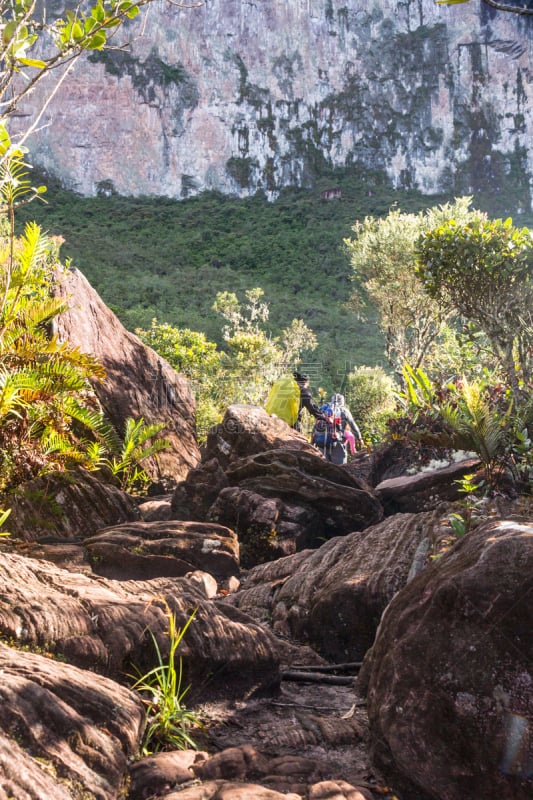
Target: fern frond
{"x":60,"y":447}
{"x":92,"y":420}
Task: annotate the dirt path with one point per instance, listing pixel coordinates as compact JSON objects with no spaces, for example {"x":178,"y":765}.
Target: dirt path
{"x":323,"y":723}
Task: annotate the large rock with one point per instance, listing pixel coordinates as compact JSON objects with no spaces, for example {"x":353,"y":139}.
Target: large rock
{"x":424,"y":490}
{"x":66,"y":505}
{"x":281,"y":501}
{"x":247,"y":430}
{"x":105,"y":625}
{"x":450,"y":677}
{"x":333,"y":597}
{"x":139,"y":383}
{"x":193,"y":497}
{"x":62,"y":735}
{"x":144,"y":550}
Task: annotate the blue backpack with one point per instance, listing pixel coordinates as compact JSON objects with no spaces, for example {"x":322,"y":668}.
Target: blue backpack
{"x":325,"y":433}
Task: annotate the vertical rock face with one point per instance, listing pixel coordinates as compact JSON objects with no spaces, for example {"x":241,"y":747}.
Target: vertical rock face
{"x":138,"y":383}
{"x":239,"y":96}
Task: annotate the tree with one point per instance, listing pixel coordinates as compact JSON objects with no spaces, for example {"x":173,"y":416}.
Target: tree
{"x":32,"y":45}
{"x":513,"y":9}
{"x":371,"y":397}
{"x":382,"y":254}
{"x":484,"y":270}
{"x":253,"y":359}
{"x":245,"y":370}
{"x":192,"y":354}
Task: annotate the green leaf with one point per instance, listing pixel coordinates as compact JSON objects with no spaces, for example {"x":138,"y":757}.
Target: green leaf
{"x":77,"y":32}
{"x":97,"y":41}
{"x":33,"y":62}
{"x":9,"y":31}
{"x":98,"y":12}
{"x":5,"y":141}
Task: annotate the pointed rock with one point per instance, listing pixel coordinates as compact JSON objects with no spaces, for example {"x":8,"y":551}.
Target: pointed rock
{"x":139,"y":383}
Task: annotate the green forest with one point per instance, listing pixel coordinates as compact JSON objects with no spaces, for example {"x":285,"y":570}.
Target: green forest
{"x":156,"y":257}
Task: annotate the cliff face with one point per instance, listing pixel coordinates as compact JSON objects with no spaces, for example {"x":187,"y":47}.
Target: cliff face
{"x":241,"y":95}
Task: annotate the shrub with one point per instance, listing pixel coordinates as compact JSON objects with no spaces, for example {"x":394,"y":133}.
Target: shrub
{"x":370,"y":396}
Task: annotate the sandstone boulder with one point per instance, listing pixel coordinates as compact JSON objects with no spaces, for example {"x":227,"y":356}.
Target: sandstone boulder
{"x":230,"y":774}
{"x":267,"y":527}
{"x":282,"y":501}
{"x":61,"y":733}
{"x":105,"y":626}
{"x":246,"y":430}
{"x":66,"y":506}
{"x":333,"y":597}
{"x":193,"y":497}
{"x":424,"y":490}
{"x":449,"y":679}
{"x":139,"y":383}
{"x":157,"y":509}
{"x":144,"y":550}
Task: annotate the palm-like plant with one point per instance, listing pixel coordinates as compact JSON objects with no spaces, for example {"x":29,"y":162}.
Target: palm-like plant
{"x":478,"y":427}
{"x":139,"y":444}
{"x":49,"y":417}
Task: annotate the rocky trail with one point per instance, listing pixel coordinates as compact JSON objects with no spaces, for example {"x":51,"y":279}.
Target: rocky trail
{"x":291,"y":565}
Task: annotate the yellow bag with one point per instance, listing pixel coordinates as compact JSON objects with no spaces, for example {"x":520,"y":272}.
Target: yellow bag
{"x":284,"y":399}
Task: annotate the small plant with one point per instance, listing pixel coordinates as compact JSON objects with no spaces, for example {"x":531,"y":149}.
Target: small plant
{"x":462,"y":522}
{"x":479,"y":425}
{"x":136,"y":447}
{"x":169,"y":722}
{"x":3,"y":516}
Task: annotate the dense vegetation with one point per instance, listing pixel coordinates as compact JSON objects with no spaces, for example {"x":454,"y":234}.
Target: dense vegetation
{"x":156,"y":257}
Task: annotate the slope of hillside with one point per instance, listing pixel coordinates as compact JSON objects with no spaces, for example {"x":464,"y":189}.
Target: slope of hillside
{"x":157,"y":257}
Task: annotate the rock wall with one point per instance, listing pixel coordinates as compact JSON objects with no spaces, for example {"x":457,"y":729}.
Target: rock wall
{"x":238,"y":95}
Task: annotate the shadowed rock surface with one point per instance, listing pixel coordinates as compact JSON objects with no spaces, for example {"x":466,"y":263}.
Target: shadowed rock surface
{"x":423,"y":491}
{"x":281,"y":498}
{"x":67,"y":506}
{"x":333,"y":598}
{"x":448,"y":680}
{"x":105,"y":625}
{"x":144,"y":550}
{"x":139,"y":383}
{"x":194,"y":496}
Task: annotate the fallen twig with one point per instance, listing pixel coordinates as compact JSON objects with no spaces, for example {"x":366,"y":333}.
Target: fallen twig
{"x":328,"y":667}
{"x":317,"y":677}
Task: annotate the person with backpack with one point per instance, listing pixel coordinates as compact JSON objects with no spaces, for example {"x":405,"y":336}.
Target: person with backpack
{"x":348,"y":425}
{"x":329,"y":435}
{"x":306,"y":400}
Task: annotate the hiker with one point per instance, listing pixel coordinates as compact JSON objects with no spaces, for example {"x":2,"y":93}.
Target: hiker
{"x":328,"y":435}
{"x":352,"y":436}
{"x":306,"y":400}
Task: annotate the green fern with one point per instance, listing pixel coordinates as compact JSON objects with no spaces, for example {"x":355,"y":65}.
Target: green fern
{"x":49,"y":417}
{"x":139,"y":443}
{"x":478,"y":427}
